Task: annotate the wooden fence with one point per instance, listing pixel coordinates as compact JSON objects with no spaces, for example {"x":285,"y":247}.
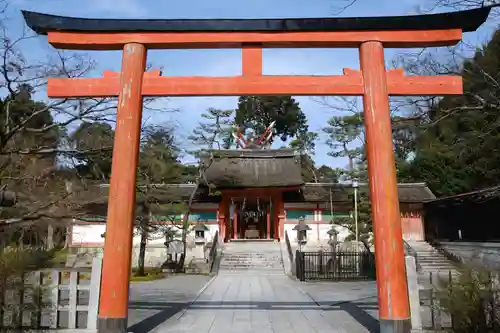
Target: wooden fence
{"x":44,"y":300}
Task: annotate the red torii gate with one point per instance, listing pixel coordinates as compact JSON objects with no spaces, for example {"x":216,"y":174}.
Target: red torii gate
{"x":373,"y":82}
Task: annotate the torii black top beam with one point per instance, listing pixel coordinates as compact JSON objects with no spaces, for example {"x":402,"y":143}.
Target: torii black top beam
{"x":467,"y":20}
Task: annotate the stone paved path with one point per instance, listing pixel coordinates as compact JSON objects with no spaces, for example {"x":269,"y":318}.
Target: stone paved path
{"x":263,"y":303}
{"x":152,"y":303}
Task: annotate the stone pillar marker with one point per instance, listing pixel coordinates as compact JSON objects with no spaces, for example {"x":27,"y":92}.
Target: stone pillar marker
{"x":413,"y":293}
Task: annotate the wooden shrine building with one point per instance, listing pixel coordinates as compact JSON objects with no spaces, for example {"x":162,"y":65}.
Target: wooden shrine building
{"x":260,"y":193}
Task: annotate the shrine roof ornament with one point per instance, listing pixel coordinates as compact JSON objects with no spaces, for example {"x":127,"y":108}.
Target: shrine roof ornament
{"x":264,"y":142}
{"x":467,"y":20}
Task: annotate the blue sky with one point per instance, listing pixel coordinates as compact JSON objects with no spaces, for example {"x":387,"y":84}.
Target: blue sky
{"x":227,"y":62}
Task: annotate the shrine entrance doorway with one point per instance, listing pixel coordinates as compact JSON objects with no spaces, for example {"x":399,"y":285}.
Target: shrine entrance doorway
{"x":253,"y":213}
{"x":252,"y":219}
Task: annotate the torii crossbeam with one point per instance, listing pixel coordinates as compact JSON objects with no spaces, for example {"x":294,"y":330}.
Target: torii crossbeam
{"x":370,"y":35}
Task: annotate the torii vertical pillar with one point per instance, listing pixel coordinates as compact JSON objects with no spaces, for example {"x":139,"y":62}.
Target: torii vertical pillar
{"x":113,"y":302}
{"x":394,"y":311}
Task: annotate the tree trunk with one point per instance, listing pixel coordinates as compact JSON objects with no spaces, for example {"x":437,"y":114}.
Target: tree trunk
{"x":185,"y":220}
{"x":66,"y":237}
{"x":50,"y":237}
{"x":144,"y":226}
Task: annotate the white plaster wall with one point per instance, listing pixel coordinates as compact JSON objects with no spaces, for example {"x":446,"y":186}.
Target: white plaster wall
{"x":87,"y":233}
{"x":156,"y":252}
{"x":318,"y":235}
{"x":91,"y":234}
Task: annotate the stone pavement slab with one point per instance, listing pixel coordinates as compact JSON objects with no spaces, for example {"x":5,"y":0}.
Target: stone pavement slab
{"x":327,"y":293}
{"x":153,"y":302}
{"x":354,"y":299}
{"x":264,"y":303}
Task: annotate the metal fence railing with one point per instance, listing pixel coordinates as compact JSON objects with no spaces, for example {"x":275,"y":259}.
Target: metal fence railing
{"x":335,"y":266}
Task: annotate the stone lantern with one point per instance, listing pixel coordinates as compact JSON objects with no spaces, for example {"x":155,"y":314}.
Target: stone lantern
{"x":301,"y":229}
{"x":333,"y":263}
{"x":199,"y":233}
{"x":333,"y":235}
{"x":199,"y":241}
{"x":7,"y":198}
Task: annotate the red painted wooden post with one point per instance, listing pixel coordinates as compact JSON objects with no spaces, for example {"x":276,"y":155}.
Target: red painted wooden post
{"x":235,"y":221}
{"x":394,"y":309}
{"x":280,"y":212}
{"x":113,"y":303}
{"x":251,"y":61}
{"x":222,"y":217}
{"x":268,"y":223}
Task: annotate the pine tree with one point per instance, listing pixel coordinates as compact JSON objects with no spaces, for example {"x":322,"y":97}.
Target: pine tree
{"x":256,"y":113}
{"x":214,"y":132}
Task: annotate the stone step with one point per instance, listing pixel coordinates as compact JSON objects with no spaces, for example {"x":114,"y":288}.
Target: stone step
{"x":253,"y":273}
{"x":247,"y":259}
{"x":228,"y":262}
{"x":251,"y":266}
{"x":435,"y":261}
{"x":432,"y":258}
{"x":253,"y":253}
{"x":253,"y":257}
{"x":252,"y":269}
{"x":263,"y":264}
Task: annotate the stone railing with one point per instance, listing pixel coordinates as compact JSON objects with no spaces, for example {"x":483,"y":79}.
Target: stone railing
{"x":212,"y":256}
{"x":409,"y":251}
{"x":476,"y":254}
{"x":291,"y":258}
{"x":53,"y":299}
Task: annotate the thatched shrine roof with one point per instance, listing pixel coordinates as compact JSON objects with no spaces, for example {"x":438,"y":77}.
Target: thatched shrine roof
{"x":482,"y":196}
{"x":309,"y":192}
{"x":414,"y":193}
{"x":251,"y":168}
{"x":320,"y":192}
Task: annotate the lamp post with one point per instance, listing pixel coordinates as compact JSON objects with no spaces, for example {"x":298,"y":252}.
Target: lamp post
{"x":355,"y":186}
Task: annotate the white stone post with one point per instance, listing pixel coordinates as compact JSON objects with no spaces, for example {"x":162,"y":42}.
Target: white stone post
{"x":413,"y":292}
{"x":95,"y":291}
